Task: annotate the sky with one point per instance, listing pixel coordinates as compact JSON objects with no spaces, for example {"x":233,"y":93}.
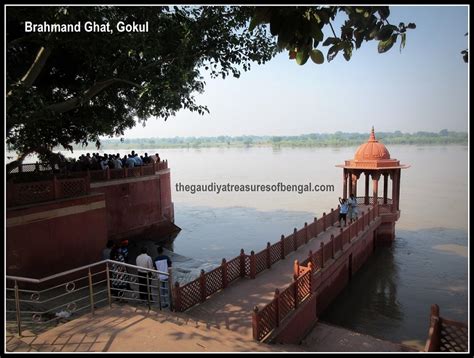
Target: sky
{"x":422,"y":88}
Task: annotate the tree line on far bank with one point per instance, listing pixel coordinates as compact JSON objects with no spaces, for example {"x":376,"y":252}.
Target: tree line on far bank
{"x":337,"y":139}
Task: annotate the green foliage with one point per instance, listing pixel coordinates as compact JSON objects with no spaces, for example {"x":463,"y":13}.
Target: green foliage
{"x":337,"y":139}
{"x":87,"y":85}
{"x":300,"y":29}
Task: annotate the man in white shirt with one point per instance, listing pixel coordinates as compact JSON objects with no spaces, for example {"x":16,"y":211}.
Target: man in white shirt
{"x":143,"y":260}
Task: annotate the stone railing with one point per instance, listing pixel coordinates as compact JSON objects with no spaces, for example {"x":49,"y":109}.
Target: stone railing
{"x":46,"y":190}
{"x":445,"y":335}
{"x":51,"y":187}
{"x":268,"y":318}
{"x":249,"y":266}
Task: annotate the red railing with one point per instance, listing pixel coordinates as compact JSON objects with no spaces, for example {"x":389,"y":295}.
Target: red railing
{"x":272,"y":314}
{"x":446,"y":335}
{"x":247,"y":266}
{"x":46,"y":190}
{"x":69,"y":184}
{"x":265,"y":320}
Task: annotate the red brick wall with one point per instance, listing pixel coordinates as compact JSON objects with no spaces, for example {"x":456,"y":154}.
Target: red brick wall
{"x":136,"y":206}
{"x":299,"y":324}
{"x":44,"y":239}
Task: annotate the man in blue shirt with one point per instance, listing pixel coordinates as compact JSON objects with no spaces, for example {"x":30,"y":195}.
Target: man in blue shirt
{"x":343,"y":211}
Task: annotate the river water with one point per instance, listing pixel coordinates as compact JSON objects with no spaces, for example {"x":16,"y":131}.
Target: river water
{"x":390,"y":296}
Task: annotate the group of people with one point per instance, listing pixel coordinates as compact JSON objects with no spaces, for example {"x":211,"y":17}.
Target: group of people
{"x":112,"y":161}
{"x":120,"y":282}
{"x":348,"y":207}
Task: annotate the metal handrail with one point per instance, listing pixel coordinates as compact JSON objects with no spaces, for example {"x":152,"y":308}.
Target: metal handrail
{"x":44,"y":279}
{"x":94,"y":289}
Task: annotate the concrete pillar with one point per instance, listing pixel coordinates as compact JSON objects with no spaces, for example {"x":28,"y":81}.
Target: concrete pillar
{"x":393,"y":174}
{"x":354,"y":184}
{"x":344,"y":189}
{"x":375,"y":184}
{"x":349,"y":174}
{"x":399,"y":174}
{"x":366,"y":200}
{"x":385,"y":187}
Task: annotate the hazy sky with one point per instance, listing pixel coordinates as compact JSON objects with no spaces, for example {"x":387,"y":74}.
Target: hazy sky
{"x":425,"y":87}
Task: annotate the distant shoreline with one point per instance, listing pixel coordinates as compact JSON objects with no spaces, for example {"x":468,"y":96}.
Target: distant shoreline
{"x":316,"y":140}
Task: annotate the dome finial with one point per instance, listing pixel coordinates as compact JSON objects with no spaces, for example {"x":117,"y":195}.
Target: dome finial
{"x":372,"y":135}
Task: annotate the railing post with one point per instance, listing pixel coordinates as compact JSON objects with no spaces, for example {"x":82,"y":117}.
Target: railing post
{"x":282,"y":243}
{"x":17,"y":308}
{"x":109,"y":293}
{"x":242,"y":263}
{"x":332,"y":246}
{"x":295,"y":291}
{"x":311,"y":271}
{"x":87,"y":183}
{"x":255,"y":323}
{"x":269,"y":259}
{"x":253,"y":266}
{"x":107,"y":173}
{"x":310,"y":256}
{"x":277,"y":307}
{"x":91,"y":291}
{"x":224,"y":273}
{"x":331,"y":221}
{"x":177,"y":297}
{"x":295,"y":241}
{"x":322,"y":254}
{"x":315,"y":225}
{"x":306,"y":238}
{"x":296,"y":268}
{"x":55,"y":188}
{"x":202,"y":285}
{"x":341,"y":235}
{"x":324,"y":221}
{"x":154,"y":167}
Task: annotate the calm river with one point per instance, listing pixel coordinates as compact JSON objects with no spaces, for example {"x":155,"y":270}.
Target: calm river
{"x":390,"y":296}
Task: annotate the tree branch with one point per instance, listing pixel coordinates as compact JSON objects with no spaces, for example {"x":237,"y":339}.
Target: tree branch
{"x":332,"y":29}
{"x":33,"y":72}
{"x":98,"y":87}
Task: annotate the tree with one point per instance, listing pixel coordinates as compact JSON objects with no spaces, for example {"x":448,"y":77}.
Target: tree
{"x":300,"y":29}
{"x":73,"y":87}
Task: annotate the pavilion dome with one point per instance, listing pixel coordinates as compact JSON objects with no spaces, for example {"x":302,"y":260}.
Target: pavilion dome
{"x":372,"y":150}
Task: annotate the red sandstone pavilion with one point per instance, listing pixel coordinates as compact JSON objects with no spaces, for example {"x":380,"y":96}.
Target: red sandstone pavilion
{"x":373,"y":159}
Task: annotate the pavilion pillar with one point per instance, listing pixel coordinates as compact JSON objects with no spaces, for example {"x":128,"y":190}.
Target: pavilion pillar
{"x":344,"y":189}
{"x":366,"y":200}
{"x":375,"y":184}
{"x":393,"y":174}
{"x":399,"y":174}
{"x":385,"y":188}
{"x":354,"y":184}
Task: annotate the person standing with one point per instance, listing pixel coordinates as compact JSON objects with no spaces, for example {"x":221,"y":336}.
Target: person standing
{"x":119,"y":274}
{"x":162,"y":263}
{"x":353,"y":213}
{"x":343,"y":211}
{"x":106,"y":252}
{"x":143,"y":260}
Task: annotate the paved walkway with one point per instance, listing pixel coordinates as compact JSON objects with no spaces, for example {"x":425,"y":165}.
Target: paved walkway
{"x":129,"y":329}
{"x":328,"y":338}
{"x":232,"y":307}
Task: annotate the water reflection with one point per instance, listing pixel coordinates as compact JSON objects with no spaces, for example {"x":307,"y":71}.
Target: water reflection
{"x":391,"y":295}
{"x":370,"y":302}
